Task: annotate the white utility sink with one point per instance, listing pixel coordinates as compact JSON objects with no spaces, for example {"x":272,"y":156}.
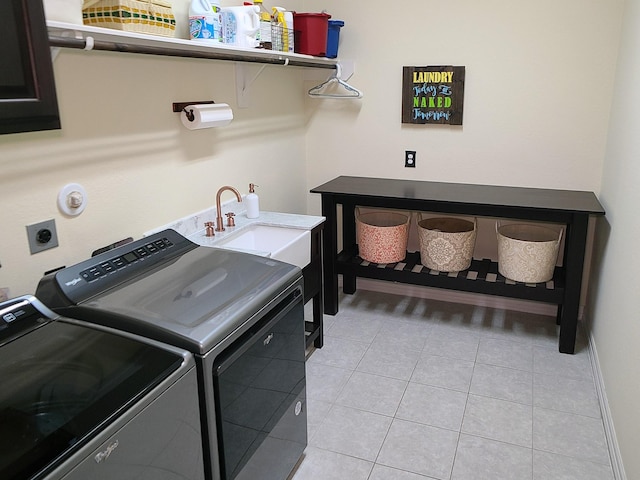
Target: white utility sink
{"x":291,"y":245}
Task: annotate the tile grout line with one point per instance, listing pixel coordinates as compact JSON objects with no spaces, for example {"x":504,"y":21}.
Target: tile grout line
{"x":532,"y":406}
{"x":466,"y":404}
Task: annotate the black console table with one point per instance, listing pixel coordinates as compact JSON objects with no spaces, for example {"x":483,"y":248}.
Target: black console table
{"x":571,"y":208}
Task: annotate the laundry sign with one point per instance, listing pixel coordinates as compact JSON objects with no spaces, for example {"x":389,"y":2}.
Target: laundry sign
{"x":433,"y":94}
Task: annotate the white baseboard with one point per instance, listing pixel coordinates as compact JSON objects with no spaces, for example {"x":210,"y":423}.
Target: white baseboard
{"x":454,"y":296}
{"x":609,"y":430}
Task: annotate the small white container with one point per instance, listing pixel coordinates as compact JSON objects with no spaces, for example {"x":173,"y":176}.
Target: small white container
{"x":69,"y":11}
{"x":253,"y":202}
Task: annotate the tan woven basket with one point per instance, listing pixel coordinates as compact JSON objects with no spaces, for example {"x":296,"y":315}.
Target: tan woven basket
{"x":154,"y":17}
{"x":527,"y":253}
{"x":382,"y":236}
{"x":446,"y":244}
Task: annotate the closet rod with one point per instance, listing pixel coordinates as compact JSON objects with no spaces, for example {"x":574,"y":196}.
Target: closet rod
{"x":81,"y":43}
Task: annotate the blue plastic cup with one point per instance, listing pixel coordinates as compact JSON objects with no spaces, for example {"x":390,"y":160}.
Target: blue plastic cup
{"x":333,"y":37}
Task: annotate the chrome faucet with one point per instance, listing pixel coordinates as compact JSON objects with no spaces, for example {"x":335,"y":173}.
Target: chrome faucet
{"x":219,"y":222}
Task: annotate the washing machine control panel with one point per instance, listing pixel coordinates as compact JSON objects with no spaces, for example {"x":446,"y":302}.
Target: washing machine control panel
{"x":123,"y":260}
{"x":82,"y":280}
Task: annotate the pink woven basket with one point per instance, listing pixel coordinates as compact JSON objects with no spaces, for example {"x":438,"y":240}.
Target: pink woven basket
{"x":382,"y":236}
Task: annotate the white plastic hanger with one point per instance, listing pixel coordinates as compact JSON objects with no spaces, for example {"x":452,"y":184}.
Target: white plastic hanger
{"x":335,"y":87}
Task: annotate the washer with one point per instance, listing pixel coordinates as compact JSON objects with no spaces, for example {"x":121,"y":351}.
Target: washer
{"x":80,"y":401}
{"x":241,"y":316}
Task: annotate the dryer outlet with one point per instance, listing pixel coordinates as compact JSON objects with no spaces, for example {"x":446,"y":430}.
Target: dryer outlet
{"x":42,"y":236}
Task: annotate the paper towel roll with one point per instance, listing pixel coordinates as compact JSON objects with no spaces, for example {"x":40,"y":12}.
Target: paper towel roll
{"x":207,"y":115}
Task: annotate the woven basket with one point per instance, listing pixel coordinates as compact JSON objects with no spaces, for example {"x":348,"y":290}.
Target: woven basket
{"x":446,"y":244}
{"x":382,"y":236}
{"x":527,"y":253}
{"x":153,"y":17}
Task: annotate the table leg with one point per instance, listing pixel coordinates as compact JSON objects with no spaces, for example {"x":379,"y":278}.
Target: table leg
{"x":329,"y":255}
{"x":349,"y":244}
{"x":576,"y":240}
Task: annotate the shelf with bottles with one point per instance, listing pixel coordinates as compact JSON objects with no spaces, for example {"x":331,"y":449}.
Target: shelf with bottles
{"x":69,"y":35}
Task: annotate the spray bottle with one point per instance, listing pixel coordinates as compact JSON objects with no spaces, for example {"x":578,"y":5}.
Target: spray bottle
{"x":264,"y":40}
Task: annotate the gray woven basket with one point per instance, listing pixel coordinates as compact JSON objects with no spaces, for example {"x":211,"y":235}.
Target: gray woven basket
{"x":446,"y":243}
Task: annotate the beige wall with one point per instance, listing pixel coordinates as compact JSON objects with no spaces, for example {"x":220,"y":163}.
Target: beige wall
{"x":616,"y":328}
{"x":539,"y":81}
{"x":539,"y":78}
{"x":141,"y":168}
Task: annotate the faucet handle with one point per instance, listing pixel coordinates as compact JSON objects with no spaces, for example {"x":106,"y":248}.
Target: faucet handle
{"x":209,"y":229}
{"x":230,"y":220}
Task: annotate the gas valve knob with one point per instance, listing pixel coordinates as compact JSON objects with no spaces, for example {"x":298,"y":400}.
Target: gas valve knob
{"x":72,"y":199}
{"x":75,"y":199}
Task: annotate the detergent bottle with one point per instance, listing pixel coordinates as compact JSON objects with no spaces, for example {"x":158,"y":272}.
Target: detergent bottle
{"x":205,"y":20}
{"x":241,"y":25}
{"x":282,"y":30}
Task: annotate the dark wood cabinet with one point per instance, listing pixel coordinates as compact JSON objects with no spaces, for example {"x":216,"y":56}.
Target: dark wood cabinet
{"x":27,"y":90}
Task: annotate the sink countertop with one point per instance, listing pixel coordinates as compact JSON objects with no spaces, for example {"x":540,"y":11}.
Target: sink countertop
{"x":192,"y":226}
{"x":276,"y":219}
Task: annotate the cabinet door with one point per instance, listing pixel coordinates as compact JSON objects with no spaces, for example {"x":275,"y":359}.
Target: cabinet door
{"x":27,"y":90}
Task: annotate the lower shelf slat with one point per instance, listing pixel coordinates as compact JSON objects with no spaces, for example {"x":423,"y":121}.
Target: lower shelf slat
{"x":481,"y":277}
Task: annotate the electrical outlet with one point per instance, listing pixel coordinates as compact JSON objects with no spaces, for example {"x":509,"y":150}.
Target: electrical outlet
{"x":410,"y":158}
{"x":42,"y":236}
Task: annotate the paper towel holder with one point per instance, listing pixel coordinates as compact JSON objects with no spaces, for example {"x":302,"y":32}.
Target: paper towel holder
{"x":179,"y":107}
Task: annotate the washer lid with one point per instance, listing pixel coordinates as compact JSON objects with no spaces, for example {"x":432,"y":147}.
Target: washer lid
{"x":196,"y":301}
{"x":62,"y":383}
{"x":188,"y":296}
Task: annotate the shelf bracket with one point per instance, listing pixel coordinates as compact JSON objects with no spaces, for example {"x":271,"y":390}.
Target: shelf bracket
{"x":347,"y":67}
{"x":55,"y":51}
{"x":244,"y":82}
{"x":89,"y":42}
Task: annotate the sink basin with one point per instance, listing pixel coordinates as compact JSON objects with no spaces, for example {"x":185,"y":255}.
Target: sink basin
{"x":291,"y":245}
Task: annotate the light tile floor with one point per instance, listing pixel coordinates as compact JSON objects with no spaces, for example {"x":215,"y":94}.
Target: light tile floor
{"x":415,"y":389}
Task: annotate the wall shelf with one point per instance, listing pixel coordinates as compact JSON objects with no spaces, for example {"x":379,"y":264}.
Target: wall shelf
{"x":69,"y":35}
